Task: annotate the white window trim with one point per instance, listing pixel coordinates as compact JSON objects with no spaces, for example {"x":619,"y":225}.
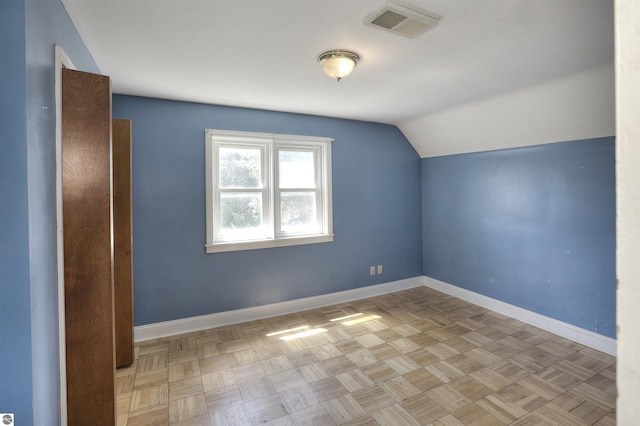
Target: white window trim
{"x":274,"y":142}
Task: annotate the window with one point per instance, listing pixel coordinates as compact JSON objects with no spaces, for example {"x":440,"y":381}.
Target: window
{"x":266,"y":190}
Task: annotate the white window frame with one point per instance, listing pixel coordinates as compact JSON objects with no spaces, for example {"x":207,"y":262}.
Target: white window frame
{"x":271,"y":144}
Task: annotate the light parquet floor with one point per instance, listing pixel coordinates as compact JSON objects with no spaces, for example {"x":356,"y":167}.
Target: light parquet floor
{"x":414,"y":357}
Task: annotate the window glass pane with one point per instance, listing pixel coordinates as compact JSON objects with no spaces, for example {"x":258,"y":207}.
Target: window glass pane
{"x":241,"y":214}
{"x":240,"y":168}
{"x":297,"y":169}
{"x":298,"y":212}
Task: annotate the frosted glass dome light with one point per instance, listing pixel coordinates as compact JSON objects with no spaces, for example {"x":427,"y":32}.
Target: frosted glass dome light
{"x":338,"y":63}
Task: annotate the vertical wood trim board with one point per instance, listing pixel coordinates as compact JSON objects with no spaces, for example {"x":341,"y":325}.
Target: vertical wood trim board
{"x":122,"y":242}
{"x":88,"y":274}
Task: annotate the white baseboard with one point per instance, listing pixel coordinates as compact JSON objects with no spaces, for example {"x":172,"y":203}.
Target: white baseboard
{"x":562,"y":329}
{"x":187,"y":325}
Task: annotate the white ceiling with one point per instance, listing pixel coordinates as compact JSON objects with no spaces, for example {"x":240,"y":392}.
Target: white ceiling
{"x":262,"y":53}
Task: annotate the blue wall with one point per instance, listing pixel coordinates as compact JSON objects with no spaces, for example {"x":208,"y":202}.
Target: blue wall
{"x":376,"y":205}
{"x":533,"y":227}
{"x":30,"y":381}
{"x":15,"y":324}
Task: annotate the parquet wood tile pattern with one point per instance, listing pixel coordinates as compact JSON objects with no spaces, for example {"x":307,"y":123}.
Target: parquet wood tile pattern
{"x":414,"y":357}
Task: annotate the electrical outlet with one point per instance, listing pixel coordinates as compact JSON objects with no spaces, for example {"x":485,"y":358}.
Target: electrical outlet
{"x":372,"y":270}
{"x":379,"y":269}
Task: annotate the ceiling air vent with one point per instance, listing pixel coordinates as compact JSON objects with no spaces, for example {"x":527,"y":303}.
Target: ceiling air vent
{"x":401,"y":20}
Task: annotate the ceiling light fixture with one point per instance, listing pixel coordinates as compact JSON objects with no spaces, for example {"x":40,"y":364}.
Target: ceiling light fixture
{"x":338,"y":63}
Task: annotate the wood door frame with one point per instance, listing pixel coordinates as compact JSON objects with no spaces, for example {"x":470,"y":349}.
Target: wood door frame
{"x":61,"y":61}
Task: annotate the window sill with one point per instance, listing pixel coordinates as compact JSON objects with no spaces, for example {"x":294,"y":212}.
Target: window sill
{"x":261,"y":244}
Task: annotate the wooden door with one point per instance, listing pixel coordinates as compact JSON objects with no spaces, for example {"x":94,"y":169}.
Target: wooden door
{"x":123,"y":241}
{"x":87,"y":229}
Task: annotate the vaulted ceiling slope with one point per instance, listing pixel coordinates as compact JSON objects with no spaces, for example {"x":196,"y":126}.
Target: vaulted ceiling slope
{"x":492,"y":74}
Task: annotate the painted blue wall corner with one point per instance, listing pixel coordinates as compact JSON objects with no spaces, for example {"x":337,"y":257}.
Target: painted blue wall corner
{"x":533,"y":227}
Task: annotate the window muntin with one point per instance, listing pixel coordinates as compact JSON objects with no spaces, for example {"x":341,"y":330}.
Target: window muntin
{"x":267,"y":190}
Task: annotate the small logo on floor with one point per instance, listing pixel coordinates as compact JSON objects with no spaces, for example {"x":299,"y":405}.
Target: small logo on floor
{"x":7,"y":418}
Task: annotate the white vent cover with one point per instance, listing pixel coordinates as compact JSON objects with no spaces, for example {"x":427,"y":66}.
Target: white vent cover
{"x":401,"y":20}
